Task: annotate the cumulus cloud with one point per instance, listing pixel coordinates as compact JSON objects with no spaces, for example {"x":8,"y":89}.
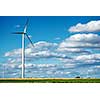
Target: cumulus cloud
{"x":39,"y":46}
{"x":45,"y":65}
{"x":72,"y":50}
{"x":47,"y":54}
{"x":81,"y":41}
{"x":10,"y":65}
{"x":13,"y":53}
{"x":89,"y":59}
{"x":14,"y":60}
{"x":41,"y":49}
{"x":77,"y":44}
{"x":76,"y":51}
{"x":27,"y":65}
{"x":91,"y":26}
{"x":83,"y":50}
{"x":43,"y":45}
{"x":85,"y":60}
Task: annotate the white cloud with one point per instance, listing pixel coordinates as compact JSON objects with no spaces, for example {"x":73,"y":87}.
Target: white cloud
{"x":41,"y":49}
{"x":91,"y":26}
{"x":14,"y":60}
{"x":84,"y":45}
{"x":38,"y":65}
{"x":39,"y":46}
{"x":72,"y":50}
{"x":75,"y":46}
{"x":93,"y":38}
{"x":47,"y":54}
{"x":88,"y":57}
{"x":12,"y":65}
{"x":28,"y":51}
{"x":46,"y":65}
{"x":81,"y":41}
{"x":26,"y":65}
{"x":92,"y":58}
{"x":44,"y":44}
{"x":13,"y":53}
{"x":97,"y":67}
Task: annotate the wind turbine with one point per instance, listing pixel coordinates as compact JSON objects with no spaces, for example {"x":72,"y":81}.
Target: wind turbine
{"x":23,"y":45}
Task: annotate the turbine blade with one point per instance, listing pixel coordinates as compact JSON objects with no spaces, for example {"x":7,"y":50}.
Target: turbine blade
{"x":18,"y":33}
{"x":25,"y":28}
{"x":29,"y":39}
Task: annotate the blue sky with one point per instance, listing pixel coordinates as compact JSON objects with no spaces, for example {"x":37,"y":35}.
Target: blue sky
{"x":41,"y":28}
{"x":65,"y":46}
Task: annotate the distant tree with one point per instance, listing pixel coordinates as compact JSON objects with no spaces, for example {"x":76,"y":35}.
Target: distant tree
{"x":77,"y":77}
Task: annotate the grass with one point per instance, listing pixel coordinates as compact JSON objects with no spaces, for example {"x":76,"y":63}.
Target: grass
{"x":48,"y":80}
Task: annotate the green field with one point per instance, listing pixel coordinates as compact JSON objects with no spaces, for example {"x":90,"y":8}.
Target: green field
{"x":48,"y":80}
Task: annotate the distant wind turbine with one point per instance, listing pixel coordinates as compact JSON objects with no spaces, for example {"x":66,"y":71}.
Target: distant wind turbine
{"x":23,"y":46}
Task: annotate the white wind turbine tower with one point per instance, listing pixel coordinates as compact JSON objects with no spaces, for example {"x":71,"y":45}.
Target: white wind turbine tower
{"x":23,"y":46}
